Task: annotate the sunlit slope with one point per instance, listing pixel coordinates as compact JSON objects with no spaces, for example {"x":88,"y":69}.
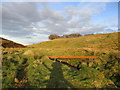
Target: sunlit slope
{"x":32,"y":68}
{"x":99,"y":41}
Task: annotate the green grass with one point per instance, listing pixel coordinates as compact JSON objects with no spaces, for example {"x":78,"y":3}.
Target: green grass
{"x":33,"y":68}
{"x":97,"y":41}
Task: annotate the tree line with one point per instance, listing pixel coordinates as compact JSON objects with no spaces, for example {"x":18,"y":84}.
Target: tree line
{"x":55,"y":36}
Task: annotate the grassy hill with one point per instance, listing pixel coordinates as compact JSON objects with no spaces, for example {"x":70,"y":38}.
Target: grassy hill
{"x":31,"y":68}
{"x":97,"y":41}
{"x":9,"y":44}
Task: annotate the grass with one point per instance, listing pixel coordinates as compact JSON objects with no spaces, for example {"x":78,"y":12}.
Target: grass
{"x":97,"y":41}
{"x":33,"y":69}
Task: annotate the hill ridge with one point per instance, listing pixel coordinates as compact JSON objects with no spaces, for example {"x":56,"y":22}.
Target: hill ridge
{"x":5,"y":43}
{"x":98,"y":41}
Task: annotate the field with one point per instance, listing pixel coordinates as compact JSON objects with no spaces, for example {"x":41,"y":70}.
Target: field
{"x":30,"y":67}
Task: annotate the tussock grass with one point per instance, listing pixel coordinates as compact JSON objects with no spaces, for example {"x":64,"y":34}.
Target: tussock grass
{"x":38,"y":71}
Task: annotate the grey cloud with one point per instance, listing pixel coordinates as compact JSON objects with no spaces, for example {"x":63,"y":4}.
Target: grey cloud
{"x":17,"y":17}
{"x":61,"y":24}
{"x":25,"y":20}
{"x":110,"y":30}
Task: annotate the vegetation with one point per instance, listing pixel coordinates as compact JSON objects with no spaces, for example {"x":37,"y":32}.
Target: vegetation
{"x":93,"y":42}
{"x":31,"y":67}
{"x":10,"y":44}
{"x":54,"y":36}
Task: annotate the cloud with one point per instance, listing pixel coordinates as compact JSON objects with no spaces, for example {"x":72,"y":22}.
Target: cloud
{"x":71,"y":18}
{"x":33,"y":22}
{"x":17,"y":18}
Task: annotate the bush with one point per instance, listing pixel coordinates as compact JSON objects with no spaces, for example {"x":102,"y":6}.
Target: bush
{"x":53,"y":36}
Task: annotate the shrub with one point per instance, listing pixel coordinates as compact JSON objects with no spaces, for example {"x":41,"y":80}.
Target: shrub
{"x":53,"y":36}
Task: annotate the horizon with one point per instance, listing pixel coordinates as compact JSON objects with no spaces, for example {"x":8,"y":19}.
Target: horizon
{"x":50,"y":39}
{"x":28,"y":23}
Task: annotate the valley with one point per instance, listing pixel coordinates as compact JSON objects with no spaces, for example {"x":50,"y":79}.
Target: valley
{"x":31,"y":67}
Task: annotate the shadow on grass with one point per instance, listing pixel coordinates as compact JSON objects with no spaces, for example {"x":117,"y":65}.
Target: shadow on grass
{"x":57,"y":79}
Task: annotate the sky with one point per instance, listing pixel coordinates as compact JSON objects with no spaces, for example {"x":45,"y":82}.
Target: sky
{"x":32,"y":22}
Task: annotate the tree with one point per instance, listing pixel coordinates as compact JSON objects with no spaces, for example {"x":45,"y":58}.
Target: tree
{"x":74,"y":35}
{"x":53,"y":36}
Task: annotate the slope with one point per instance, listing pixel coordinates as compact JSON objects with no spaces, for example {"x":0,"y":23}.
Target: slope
{"x":31,"y":67}
{"x":10,"y":44}
{"x":97,"y":41}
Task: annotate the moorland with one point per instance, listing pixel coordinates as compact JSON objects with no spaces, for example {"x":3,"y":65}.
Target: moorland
{"x":29,"y":66}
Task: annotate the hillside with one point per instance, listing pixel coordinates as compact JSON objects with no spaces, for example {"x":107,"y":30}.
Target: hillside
{"x":10,"y":44}
{"x":97,"y":41}
{"x":32,"y":68}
